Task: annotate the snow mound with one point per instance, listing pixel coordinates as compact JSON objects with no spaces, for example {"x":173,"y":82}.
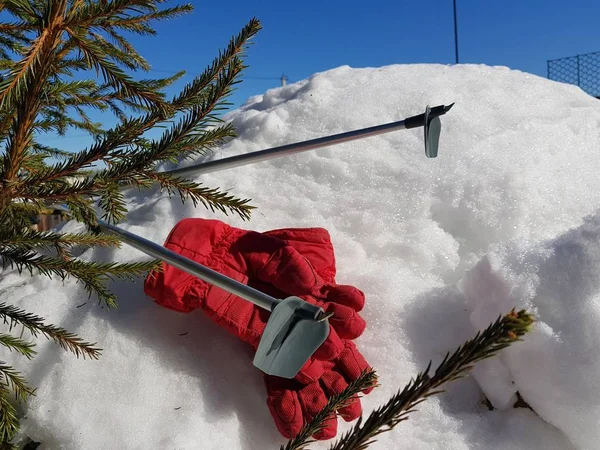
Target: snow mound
{"x":517,"y":159}
{"x":559,"y":281}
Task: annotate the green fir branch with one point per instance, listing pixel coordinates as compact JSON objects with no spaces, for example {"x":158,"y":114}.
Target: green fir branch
{"x":505,"y":331}
{"x":13,"y":316}
{"x":81,"y":209}
{"x":366,"y":380}
{"x":194,"y":91}
{"x":112,"y":202}
{"x":15,"y":382}
{"x":13,"y":86}
{"x":112,"y":74}
{"x":51,"y":53}
{"x":9,"y":422}
{"x":211,"y":198}
{"x":18,"y":345}
{"x":49,"y":152}
{"x":47,"y":240}
{"x":93,"y":275}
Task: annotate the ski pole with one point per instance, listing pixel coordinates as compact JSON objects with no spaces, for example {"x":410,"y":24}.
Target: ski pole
{"x":429,"y":120}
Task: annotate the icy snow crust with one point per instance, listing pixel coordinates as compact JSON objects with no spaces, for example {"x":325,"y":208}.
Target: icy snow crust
{"x":441,"y":247}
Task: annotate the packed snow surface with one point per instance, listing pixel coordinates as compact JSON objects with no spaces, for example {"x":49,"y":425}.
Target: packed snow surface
{"x":504,"y":217}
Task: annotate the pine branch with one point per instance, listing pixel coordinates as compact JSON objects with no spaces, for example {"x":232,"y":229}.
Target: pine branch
{"x":365,"y":381}
{"x":211,"y":198}
{"x":93,"y":275}
{"x":18,"y":216}
{"x":45,"y":46}
{"x":57,"y":189}
{"x":112,"y":202}
{"x":47,"y":240}
{"x":130,"y":15}
{"x":9,"y":422}
{"x":140,"y":25}
{"x":49,"y":152}
{"x":117,"y":78}
{"x":193,"y":92}
{"x":81,"y":209}
{"x":21,"y":9}
{"x":505,"y":331}
{"x":19,"y":345}
{"x":131,"y":60}
{"x":13,"y":316}
{"x":111,"y":141}
{"x":14,"y":381}
{"x":13,"y":85}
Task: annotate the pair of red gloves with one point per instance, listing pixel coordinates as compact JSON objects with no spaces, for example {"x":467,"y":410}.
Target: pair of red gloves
{"x":282,"y":263}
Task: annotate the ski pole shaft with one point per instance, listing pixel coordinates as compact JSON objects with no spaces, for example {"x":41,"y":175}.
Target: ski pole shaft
{"x":193,"y":268}
{"x":290,"y":149}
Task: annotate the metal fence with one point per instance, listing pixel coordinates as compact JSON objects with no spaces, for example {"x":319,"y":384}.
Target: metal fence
{"x":581,"y":70}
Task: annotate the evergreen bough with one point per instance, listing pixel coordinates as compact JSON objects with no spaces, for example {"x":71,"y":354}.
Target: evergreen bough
{"x":59,"y":61}
{"x":505,"y":331}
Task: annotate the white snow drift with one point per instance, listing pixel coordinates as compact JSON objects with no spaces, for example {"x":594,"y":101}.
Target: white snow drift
{"x":440,"y":246}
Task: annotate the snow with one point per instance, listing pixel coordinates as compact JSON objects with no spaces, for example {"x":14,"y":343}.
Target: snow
{"x":558,"y":280}
{"x":504,"y":217}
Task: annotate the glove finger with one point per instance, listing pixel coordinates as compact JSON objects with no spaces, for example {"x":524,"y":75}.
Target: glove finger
{"x":346,"y":321}
{"x":344,"y":294}
{"x":314,"y":244}
{"x":351,"y":363}
{"x":331,"y":348}
{"x":334,"y":383}
{"x":284,"y":406}
{"x":313,"y":399}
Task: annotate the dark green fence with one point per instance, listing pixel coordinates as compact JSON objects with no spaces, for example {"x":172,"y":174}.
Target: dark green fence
{"x":581,"y":70}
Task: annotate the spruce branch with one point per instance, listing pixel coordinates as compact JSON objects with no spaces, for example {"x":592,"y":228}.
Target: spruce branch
{"x":115,"y":76}
{"x":229,"y":57}
{"x":48,"y":50}
{"x":505,"y":331}
{"x":14,"y":381}
{"x":49,"y":152}
{"x":366,"y":380}
{"x":13,"y":316}
{"x":12,"y":86}
{"x":17,"y":344}
{"x":112,"y":202}
{"x":81,"y":209}
{"x":47,"y":240}
{"x":9,"y":422}
{"x":211,"y":198}
{"x":93,"y":275}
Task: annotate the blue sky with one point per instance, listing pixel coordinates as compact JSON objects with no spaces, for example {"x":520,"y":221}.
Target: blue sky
{"x":303,"y":37}
{"x":300,"y":38}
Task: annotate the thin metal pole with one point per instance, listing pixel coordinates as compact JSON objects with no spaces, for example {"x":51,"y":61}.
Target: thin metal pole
{"x":285,"y":150}
{"x":193,"y":268}
{"x":455,"y":33}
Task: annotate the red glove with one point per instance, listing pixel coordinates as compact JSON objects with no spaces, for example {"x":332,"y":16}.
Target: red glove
{"x":241,"y":254}
{"x":294,"y":403}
